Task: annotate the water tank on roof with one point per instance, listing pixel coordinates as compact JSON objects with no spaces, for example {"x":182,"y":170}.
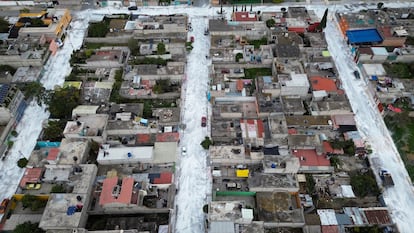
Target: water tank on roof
{"x":273,"y":165}
{"x":129,"y":154}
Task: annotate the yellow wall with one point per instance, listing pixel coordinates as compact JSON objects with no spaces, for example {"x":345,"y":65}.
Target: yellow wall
{"x":63,"y":22}
{"x":18,"y":197}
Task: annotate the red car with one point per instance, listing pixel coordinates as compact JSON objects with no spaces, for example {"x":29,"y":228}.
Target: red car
{"x":3,"y":205}
{"x":203,"y":121}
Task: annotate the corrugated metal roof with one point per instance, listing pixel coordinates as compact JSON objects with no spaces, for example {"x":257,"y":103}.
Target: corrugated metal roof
{"x":222,"y":227}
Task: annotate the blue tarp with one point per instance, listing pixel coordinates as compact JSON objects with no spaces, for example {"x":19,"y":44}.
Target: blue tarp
{"x":363,"y":36}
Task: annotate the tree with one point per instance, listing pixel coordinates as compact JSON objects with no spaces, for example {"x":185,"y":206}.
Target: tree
{"x":322,"y":25}
{"x":380,"y":5}
{"x":206,"y":143}
{"x":161,"y":49}
{"x":28,"y":227}
{"x":54,"y":131}
{"x":4,"y":26}
{"x":205,"y":208}
{"x":239,"y":56}
{"x":364,"y":184}
{"x":35,"y":90}
{"x":7,"y":68}
{"x":133,"y":46}
{"x":22,"y":162}
{"x":27,"y":200}
{"x":69,"y":96}
{"x":270,"y":23}
{"x":25,"y":10}
{"x":14,"y":133}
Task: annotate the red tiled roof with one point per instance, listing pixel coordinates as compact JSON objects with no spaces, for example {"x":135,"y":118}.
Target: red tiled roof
{"x":143,"y":138}
{"x":323,"y":84}
{"x":346,"y":119}
{"x":31,"y":175}
{"x":327,"y":148}
{"x":165,"y":178}
{"x":53,"y":153}
{"x":167,"y":137}
{"x":260,"y":128}
{"x":377,"y":217}
{"x":244,"y":16}
{"x":386,"y":31}
{"x":308,"y":157}
{"x":240,"y":85}
{"x":253,"y":125}
{"x":125,"y":194}
{"x":330,"y":229}
{"x":292,"y":131}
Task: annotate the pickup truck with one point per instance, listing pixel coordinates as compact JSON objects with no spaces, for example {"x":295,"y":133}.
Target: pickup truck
{"x":386,"y":178}
{"x":233,"y":185}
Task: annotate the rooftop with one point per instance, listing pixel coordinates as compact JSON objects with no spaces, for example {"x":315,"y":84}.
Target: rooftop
{"x":167,"y":116}
{"x":125,"y":155}
{"x":113,"y":193}
{"x":321,"y":83}
{"x":280,"y":207}
{"x":309,"y":157}
{"x":87,"y":126}
{"x":60,"y":211}
{"x":272,"y":182}
{"x":244,"y":16}
{"x":69,"y":148}
{"x":225,"y":211}
{"x":31,"y":175}
{"x":26,"y":74}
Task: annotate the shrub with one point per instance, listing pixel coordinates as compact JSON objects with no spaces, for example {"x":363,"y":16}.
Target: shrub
{"x":239,"y":56}
{"x":161,"y":49}
{"x":58,"y":189}
{"x":14,"y":133}
{"x":28,"y":227}
{"x":270,"y":23}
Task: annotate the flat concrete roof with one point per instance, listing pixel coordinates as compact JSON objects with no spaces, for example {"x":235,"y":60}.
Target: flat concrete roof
{"x":272,"y":182}
{"x":225,"y":211}
{"x":55,"y":215}
{"x":165,"y":152}
{"x":125,"y":155}
{"x":16,"y":219}
{"x":279,"y":207}
{"x":70,"y":148}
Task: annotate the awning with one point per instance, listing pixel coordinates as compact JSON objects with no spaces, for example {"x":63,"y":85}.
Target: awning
{"x":242,"y":173}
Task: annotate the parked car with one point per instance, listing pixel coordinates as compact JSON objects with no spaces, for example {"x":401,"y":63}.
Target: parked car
{"x":3,"y":205}
{"x":33,"y":186}
{"x":132,"y":8}
{"x":203,"y":121}
{"x":183,"y":151}
{"x":357,"y":75}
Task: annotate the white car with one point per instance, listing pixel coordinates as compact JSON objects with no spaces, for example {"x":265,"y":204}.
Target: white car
{"x":183,"y":151}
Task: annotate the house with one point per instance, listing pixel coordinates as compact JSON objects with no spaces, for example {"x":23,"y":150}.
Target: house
{"x":87,"y":127}
{"x":294,"y":85}
{"x":68,"y":211}
{"x":227,"y":216}
{"x":244,"y":16}
{"x":31,"y":176}
{"x":116,"y":194}
{"x":55,"y":23}
{"x":125,"y":155}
